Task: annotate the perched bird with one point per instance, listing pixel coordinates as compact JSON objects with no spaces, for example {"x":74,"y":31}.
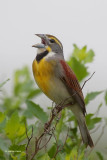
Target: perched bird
{"x":57,"y":80}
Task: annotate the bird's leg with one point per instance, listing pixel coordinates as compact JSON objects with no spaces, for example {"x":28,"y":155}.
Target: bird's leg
{"x":69,"y":104}
{"x":55,"y":112}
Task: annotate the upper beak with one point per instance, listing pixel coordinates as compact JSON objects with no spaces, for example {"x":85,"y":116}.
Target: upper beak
{"x":41,"y":45}
{"x":43,"y":36}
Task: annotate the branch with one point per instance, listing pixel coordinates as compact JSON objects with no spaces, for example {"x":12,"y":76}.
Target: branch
{"x":59,"y":147}
{"x":47,"y":130}
{"x":47,"y":127}
{"x":101,"y":134}
{"x":87,"y":80}
{"x":29,"y":139}
{"x":93,"y":131}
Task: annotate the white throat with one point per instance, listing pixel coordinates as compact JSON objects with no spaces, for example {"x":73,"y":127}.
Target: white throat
{"x":50,"y":55}
{"x":39,"y":51}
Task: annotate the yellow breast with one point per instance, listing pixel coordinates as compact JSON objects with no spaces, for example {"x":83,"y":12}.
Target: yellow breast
{"x":43,"y":72}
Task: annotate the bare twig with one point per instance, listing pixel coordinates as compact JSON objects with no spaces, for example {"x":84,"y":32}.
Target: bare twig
{"x":93,"y":131}
{"x":59,"y":147}
{"x":87,"y":80}
{"x":46,"y":142}
{"x":98,"y":110}
{"x":29,"y":139}
{"x":47,"y":130}
{"x":101,"y":134}
{"x":66,"y":137}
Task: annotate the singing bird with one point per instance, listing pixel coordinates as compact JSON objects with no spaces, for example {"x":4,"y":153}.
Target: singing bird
{"x":58,"y":82}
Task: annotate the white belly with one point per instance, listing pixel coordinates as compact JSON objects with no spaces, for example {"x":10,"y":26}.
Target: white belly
{"x":58,"y":92}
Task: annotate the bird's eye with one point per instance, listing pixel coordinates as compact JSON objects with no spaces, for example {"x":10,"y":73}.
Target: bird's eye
{"x":52,"y":40}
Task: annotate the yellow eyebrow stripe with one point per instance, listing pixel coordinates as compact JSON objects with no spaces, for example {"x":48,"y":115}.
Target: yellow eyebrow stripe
{"x":56,"y":41}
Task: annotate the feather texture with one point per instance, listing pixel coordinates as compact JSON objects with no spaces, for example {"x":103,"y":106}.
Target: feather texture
{"x":70,"y":81}
{"x":72,"y":84}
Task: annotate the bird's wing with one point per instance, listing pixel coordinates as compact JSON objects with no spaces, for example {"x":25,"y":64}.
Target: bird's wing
{"x":69,"y":79}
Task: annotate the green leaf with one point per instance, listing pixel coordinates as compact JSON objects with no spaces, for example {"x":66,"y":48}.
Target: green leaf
{"x":100,"y":156}
{"x":2,"y":155}
{"x":90,"y":56}
{"x":10,"y":104}
{"x":17,"y":148}
{"x":28,"y":113}
{"x":2,"y":116}
{"x":21,"y":75}
{"x":90,"y":96}
{"x":105,"y":97}
{"x":2,"y":84}
{"x":37,"y":111}
{"x":23,"y":84}
{"x":2,"y":125}
{"x":29,"y":132}
{"x":23,"y":156}
{"x":79,"y":54}
{"x":78,"y":60}
{"x":44,"y":157}
{"x":60,"y":156}
{"x":79,"y":69}
{"x":82,"y":55}
{"x":34,"y":93}
{"x":91,"y":121}
{"x":14,"y":128}
{"x":73,"y":153}
{"x":13,"y":157}
{"x":52,"y":151}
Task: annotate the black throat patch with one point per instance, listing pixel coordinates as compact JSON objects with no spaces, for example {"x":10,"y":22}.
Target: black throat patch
{"x":41,"y":55}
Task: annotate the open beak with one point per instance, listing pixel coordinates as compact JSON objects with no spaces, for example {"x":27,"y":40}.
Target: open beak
{"x":44,"y":41}
{"x":39,"y":45}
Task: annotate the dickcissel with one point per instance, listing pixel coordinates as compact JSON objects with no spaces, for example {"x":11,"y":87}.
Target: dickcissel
{"x":57,"y":80}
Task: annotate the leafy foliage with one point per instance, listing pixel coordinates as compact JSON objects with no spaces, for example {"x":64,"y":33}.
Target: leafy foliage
{"x":100,"y":155}
{"x":37,"y":111}
{"x":82,"y":55}
{"x":19,"y":108}
{"x":78,"y":61}
{"x":2,"y":84}
{"x":91,"y":96}
{"x":14,"y":128}
{"x":79,"y":69}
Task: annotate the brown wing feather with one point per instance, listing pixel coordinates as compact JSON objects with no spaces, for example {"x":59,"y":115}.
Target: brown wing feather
{"x":72,"y":84}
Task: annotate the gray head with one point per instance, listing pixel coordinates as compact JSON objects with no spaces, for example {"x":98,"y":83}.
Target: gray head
{"x":49,"y":44}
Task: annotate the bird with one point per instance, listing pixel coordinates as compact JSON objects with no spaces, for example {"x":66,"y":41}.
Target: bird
{"x":58,"y":81}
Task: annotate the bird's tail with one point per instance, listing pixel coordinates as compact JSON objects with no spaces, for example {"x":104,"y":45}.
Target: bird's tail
{"x":84,"y":132}
{"x":82,"y":126}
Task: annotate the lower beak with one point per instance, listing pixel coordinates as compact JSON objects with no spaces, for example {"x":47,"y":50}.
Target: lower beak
{"x":40,"y":45}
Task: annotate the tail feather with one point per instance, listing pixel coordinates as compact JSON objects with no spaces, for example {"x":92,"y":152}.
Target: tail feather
{"x":76,"y":109}
{"x":85,"y":133}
